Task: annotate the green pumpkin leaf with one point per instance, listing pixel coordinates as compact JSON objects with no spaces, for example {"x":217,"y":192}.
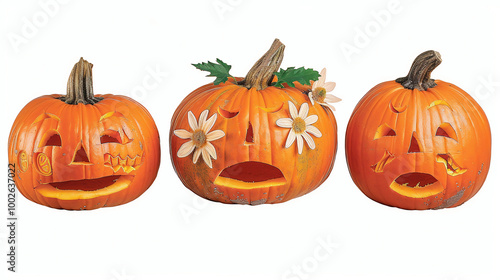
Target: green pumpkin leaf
{"x":291,"y":74}
{"x":220,"y":70}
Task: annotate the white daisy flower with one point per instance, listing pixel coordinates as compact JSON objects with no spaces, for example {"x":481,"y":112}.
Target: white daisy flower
{"x":300,"y":125}
{"x":320,"y":89}
{"x":200,"y":138}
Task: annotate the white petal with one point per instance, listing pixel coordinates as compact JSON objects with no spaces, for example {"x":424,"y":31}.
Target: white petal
{"x":329,"y":86}
{"x":290,"y":139}
{"x":292,"y":109}
{"x":300,"y":144}
{"x":192,"y":121}
{"x":310,"y":97}
{"x":322,"y":78}
{"x":214,"y":135}
{"x":309,"y":141}
{"x":203,"y":118}
{"x":284,"y":122}
{"x":313,"y":130}
{"x":209,"y":123}
{"x":206,"y":157}
{"x":211,"y":150}
{"x":330,"y":98}
{"x":185,"y":149}
{"x":315,"y":85}
{"x":311,"y":119}
{"x":329,"y":106}
{"x":182,"y":133}
{"x":196,"y":155}
{"x":304,"y":110}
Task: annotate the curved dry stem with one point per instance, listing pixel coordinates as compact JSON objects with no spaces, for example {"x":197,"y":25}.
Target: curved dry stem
{"x":261,"y":74}
{"x":80,"y":89}
{"x":419,"y":76}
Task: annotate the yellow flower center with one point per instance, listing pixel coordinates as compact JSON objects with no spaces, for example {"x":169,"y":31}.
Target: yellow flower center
{"x":199,"y":138}
{"x":299,"y":125}
{"x":319,"y":94}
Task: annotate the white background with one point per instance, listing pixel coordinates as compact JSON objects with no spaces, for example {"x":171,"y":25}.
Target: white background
{"x":170,"y":233}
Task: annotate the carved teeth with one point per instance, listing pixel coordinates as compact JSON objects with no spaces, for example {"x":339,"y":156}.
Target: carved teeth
{"x":127,"y":164}
{"x":128,"y":169}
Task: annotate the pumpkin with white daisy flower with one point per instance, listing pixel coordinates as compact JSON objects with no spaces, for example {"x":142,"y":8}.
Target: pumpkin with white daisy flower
{"x":255,"y":140}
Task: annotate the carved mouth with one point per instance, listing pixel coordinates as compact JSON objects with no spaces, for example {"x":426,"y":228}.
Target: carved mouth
{"x":85,"y":189}
{"x":416,"y":185}
{"x":250,"y":175}
{"x":128,"y":164}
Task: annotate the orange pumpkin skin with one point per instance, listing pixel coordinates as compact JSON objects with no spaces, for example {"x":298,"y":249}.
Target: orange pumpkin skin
{"x":259,"y":109}
{"x":83,"y":157}
{"x":438,"y":137}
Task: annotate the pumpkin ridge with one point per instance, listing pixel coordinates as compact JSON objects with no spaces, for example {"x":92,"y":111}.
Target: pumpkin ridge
{"x":271,"y":136}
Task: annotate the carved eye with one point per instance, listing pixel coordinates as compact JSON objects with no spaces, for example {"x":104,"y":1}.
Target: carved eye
{"x":383,"y":131}
{"x":227,"y":114}
{"x":446,"y":130}
{"x":51,"y":138}
{"x":111,"y":136}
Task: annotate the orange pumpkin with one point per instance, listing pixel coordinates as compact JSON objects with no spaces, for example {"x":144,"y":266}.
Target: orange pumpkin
{"x":82,"y":151}
{"x":418,"y":143}
{"x":226,"y":144}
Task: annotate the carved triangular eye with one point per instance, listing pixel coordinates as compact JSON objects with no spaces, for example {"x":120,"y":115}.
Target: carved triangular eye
{"x":446,"y":130}
{"x":384,"y":130}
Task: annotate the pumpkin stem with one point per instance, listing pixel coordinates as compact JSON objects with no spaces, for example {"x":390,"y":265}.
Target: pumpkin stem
{"x":262,"y":73}
{"x":80,"y":89}
{"x":419,"y":76}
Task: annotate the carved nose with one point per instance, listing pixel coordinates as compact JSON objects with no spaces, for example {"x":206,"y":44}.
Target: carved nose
{"x":80,"y":157}
{"x":249,"y":136}
{"x":415,"y":146}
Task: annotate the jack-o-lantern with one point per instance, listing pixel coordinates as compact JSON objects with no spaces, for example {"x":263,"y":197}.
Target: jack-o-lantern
{"x":247,"y":141}
{"x":81,"y":151}
{"x":418,"y":143}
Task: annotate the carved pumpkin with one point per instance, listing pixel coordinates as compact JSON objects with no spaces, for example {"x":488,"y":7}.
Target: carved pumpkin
{"x":232,"y":142}
{"x":82,"y":151}
{"x":418,"y":143}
